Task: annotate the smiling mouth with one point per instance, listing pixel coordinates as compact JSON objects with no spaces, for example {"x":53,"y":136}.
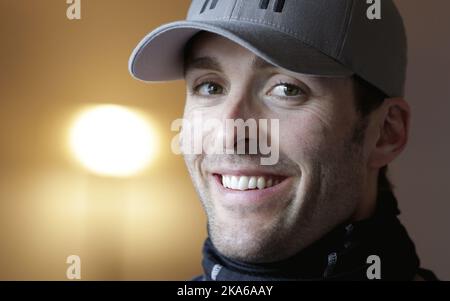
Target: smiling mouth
{"x":249,"y":182}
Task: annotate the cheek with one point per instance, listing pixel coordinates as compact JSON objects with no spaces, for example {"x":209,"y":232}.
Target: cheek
{"x":305,"y":138}
{"x":198,"y":127}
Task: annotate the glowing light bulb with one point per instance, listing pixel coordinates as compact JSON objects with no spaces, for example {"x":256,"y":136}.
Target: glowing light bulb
{"x":112,"y":140}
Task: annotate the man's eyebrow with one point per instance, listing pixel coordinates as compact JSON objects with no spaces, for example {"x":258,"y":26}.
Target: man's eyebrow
{"x":211,"y":63}
{"x":202,"y":63}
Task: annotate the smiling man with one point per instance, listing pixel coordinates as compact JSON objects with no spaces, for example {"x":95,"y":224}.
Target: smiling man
{"x":333,"y":80}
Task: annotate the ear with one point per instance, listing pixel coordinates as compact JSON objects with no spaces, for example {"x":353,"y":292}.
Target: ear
{"x":393,"y":121}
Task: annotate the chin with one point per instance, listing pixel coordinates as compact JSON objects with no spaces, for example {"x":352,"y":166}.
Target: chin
{"x":245,"y":251}
{"x":252,"y":245}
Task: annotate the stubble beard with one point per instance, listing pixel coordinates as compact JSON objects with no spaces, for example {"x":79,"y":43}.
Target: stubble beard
{"x":327,"y":198}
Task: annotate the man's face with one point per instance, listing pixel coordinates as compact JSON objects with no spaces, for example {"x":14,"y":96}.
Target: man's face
{"x":319,"y":178}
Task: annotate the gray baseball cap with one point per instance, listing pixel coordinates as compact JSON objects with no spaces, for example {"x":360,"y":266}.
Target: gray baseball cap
{"x":332,"y":38}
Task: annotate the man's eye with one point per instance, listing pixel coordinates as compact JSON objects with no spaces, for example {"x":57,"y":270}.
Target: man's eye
{"x":208,"y":89}
{"x":285,"y":90}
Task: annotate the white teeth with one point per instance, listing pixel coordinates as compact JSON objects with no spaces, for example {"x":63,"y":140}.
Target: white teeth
{"x":248,"y":182}
{"x":252,"y":183}
{"x":243,"y":183}
{"x":261,"y":184}
{"x":234,"y":182}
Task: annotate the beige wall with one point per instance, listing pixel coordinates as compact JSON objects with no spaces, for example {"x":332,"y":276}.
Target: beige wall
{"x":152,"y":226}
{"x":421,"y":174}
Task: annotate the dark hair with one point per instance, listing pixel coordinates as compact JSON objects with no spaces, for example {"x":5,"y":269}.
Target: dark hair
{"x":367,"y":99}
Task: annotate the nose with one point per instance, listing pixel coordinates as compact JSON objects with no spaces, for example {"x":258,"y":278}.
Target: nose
{"x":240,"y":115}
{"x":238,"y":105}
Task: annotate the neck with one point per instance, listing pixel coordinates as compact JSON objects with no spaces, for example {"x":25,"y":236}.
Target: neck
{"x":367,"y":206}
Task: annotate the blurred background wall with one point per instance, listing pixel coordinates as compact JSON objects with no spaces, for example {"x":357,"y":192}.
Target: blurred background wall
{"x":151,"y":226}
{"x":421,"y":173}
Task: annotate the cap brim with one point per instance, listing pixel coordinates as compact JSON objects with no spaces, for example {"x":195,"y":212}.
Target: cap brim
{"x":159,"y":56}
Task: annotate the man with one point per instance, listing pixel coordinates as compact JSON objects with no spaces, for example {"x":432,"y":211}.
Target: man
{"x":333,"y":80}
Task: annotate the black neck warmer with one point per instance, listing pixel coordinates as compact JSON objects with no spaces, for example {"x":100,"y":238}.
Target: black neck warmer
{"x":340,"y":255}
